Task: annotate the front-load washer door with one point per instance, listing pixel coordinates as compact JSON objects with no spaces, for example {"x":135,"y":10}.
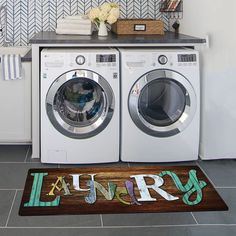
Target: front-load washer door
{"x":80,"y":104}
{"x":162,"y":103}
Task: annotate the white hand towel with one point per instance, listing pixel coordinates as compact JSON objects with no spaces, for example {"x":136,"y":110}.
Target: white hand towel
{"x":74,"y":26}
{"x":77,"y":17}
{"x":73,"y":21}
{"x":72,"y":31}
{"x":11,"y":66}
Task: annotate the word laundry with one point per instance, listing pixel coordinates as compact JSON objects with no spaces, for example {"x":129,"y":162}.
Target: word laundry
{"x":135,"y":189}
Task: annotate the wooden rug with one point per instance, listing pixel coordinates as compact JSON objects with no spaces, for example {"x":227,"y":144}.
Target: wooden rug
{"x":118,"y":190}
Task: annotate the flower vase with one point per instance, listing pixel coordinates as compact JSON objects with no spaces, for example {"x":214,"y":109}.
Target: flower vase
{"x":102,"y":29}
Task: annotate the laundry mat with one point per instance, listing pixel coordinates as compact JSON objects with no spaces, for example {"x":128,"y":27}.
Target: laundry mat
{"x":118,"y":190}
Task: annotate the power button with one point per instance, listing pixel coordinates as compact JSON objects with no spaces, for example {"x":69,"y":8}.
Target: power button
{"x":162,"y":59}
{"x":80,"y":60}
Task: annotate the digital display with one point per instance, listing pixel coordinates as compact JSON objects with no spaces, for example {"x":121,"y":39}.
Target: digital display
{"x":102,"y":58}
{"x":187,"y":58}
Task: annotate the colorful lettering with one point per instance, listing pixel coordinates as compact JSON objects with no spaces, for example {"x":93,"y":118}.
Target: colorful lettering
{"x":130,"y":187}
{"x":108,"y":194}
{"x":144,"y":188}
{"x":127,"y":190}
{"x":36,"y":193}
{"x":122,"y":191}
{"x":76,"y":182}
{"x":193,"y":185}
{"x":64,"y":186}
{"x":192,"y":190}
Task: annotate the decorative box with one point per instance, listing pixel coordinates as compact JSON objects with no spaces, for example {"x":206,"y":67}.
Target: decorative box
{"x":138,"y":26}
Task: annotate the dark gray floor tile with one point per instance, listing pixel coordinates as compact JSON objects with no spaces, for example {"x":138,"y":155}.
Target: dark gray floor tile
{"x":6,"y":198}
{"x":160,"y":231}
{"x":220,"y":217}
{"x":13,"y":175}
{"x":50,"y":221}
{"x":13,"y":153}
{"x":185,"y":163}
{"x":29,"y":156}
{"x":211,"y":231}
{"x":147,"y":219}
{"x":100,"y":165}
{"x":221,"y":172}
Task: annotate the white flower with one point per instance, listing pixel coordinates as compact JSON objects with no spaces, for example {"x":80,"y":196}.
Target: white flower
{"x":111,"y":19}
{"x":94,"y":13}
{"x":107,"y":12}
{"x":103,"y":16}
{"x":114,"y":5}
{"x":105,"y":7}
{"x":115,"y":12}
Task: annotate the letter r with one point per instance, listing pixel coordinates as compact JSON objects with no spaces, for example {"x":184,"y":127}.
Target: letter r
{"x":143,"y":188}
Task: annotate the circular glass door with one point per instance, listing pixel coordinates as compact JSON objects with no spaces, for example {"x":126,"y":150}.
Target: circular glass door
{"x":80,"y":104}
{"x":162,"y":103}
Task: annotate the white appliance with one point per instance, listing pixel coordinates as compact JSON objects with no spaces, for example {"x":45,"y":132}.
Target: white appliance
{"x":218,"y":73}
{"x":79,"y":105}
{"x":160,"y":105}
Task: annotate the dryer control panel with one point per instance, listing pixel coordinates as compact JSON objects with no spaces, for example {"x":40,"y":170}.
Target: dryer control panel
{"x":182,"y":59}
{"x":105,"y":58}
{"x":187,"y":57}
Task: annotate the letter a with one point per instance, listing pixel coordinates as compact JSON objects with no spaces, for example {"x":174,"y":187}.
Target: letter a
{"x":64,"y":186}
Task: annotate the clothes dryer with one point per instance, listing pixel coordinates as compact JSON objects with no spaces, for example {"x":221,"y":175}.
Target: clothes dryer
{"x":79,"y":105}
{"x":160,"y":105}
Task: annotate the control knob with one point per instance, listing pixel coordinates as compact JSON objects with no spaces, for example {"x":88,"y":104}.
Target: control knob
{"x":80,"y":60}
{"x":162,"y":59}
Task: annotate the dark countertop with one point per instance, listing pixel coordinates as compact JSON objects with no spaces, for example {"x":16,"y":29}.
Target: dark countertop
{"x":169,"y":38}
{"x":27,"y":57}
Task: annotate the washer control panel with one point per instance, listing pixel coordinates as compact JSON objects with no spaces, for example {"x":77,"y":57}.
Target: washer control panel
{"x":162,"y":59}
{"x":80,"y":60}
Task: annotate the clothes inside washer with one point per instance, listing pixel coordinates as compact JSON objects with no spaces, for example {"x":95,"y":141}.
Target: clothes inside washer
{"x":80,"y":102}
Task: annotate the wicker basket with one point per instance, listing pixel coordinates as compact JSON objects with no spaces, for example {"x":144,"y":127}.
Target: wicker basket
{"x":138,"y":26}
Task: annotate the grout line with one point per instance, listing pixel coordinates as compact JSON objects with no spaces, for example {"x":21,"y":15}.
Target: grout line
{"x":194,"y":218}
{"x":228,"y":187}
{"x":206,"y":174}
{"x":117,"y":227}
{"x":18,"y":162}
{"x":101,"y":221}
{"x":27,"y":153}
{"x":10,"y":189}
{"x":11,"y":208}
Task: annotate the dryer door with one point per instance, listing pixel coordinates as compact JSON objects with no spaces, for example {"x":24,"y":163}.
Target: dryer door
{"x":162,"y":103}
{"x":80,"y":104}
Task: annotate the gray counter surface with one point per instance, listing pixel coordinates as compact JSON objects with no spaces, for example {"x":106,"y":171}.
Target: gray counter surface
{"x":169,"y":38}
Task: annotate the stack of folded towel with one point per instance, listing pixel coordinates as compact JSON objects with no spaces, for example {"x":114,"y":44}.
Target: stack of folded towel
{"x":74,"y":25}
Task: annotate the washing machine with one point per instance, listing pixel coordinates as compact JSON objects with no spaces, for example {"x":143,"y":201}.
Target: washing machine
{"x":79,"y":105}
{"x":160,"y":95}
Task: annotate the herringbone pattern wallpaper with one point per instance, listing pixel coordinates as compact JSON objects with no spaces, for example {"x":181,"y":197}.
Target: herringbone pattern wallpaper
{"x":27,"y":17}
